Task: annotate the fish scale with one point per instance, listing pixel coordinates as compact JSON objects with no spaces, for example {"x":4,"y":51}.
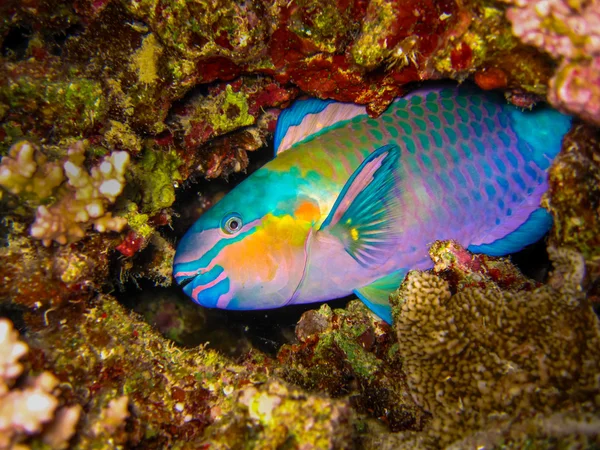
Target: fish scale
{"x":458,"y":189}
{"x":350,"y":203}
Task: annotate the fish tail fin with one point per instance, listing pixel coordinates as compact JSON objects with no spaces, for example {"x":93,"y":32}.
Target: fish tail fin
{"x":542,"y":131}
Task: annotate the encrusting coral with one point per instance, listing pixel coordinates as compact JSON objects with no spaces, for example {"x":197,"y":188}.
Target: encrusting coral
{"x":486,"y":355}
{"x":569,"y":32}
{"x":139,"y":390}
{"x":573,"y":196}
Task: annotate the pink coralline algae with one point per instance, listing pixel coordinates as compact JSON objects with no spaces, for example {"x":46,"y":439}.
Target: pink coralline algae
{"x":570,"y":32}
{"x":576,"y":88}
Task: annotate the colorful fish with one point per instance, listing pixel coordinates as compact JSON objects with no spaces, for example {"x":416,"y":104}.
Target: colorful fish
{"x":351,"y":203}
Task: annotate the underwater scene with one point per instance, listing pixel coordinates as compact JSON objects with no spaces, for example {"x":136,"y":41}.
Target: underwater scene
{"x":299,"y":224}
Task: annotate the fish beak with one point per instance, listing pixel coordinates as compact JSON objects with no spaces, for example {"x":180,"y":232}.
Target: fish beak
{"x":185,"y":279}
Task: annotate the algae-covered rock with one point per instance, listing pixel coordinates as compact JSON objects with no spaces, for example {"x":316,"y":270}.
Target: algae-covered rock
{"x":110,"y":110}
{"x":574,"y":196}
{"x":351,"y":352}
{"x":137,"y":389}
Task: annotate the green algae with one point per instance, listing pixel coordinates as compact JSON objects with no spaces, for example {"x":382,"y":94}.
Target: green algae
{"x":325,"y":24}
{"x":155,"y":176}
{"x":234,"y":112}
{"x":120,"y":136}
{"x":145,"y":60}
{"x":70,"y":106}
{"x":348,"y":352}
{"x":138,"y":222}
{"x":368,"y":50}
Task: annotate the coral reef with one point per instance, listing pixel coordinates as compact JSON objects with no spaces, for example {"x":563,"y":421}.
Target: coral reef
{"x":140,"y":390}
{"x":574,"y":196}
{"x":487,"y":358}
{"x":29,"y":409}
{"x":351,"y":352}
{"x":41,"y":279}
{"x":569,"y":32}
{"x":109,"y":108}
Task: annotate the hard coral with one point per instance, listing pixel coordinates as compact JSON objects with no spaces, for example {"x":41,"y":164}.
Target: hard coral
{"x":84,"y":198}
{"x":26,"y":172}
{"x":26,"y":409}
{"x":81,"y":202}
{"x":576,"y":88}
{"x":485,"y":354}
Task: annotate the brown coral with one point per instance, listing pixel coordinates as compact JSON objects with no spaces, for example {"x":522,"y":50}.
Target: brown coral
{"x":485,"y":354}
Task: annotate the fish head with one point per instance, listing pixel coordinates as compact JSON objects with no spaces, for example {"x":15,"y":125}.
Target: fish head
{"x":249,"y":251}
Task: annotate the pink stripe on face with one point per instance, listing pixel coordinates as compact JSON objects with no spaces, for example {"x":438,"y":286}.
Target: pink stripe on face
{"x":189,"y":273}
{"x":224,"y":300}
{"x":199,"y":289}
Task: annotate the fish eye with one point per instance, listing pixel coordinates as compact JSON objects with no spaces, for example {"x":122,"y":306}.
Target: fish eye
{"x":232,"y":223}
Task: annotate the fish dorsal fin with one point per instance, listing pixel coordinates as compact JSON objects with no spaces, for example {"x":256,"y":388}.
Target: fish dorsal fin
{"x":367,"y":210}
{"x":307,"y":117}
{"x":377,"y":294}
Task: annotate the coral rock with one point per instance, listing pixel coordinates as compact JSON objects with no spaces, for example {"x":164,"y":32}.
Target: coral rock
{"x":573,"y":197}
{"x":568,"y":31}
{"x":485,"y":350}
{"x":26,"y":408}
{"x":576,"y":88}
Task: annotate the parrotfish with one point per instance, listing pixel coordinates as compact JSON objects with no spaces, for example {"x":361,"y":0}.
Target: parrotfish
{"x":351,"y":203}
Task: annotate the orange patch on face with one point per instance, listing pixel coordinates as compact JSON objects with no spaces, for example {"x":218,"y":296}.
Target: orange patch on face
{"x":307,"y":211}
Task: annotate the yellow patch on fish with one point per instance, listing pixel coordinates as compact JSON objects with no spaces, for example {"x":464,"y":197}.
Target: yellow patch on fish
{"x":308,"y":211}
{"x":263,"y":251}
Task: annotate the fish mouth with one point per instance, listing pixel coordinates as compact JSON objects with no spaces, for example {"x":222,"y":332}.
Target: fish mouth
{"x":199,"y":285}
{"x":183,"y":283}
{"x":183,"y":278}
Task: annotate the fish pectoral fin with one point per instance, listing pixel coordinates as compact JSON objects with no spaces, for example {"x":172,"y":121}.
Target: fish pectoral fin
{"x":365,"y":215}
{"x":377,"y":294}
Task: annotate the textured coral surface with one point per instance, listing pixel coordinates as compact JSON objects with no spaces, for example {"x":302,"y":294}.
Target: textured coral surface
{"x":485,"y":355}
{"x":113,"y":116}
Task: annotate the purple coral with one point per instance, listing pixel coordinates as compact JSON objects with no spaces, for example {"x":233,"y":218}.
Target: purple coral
{"x":557,"y":26}
{"x":576,"y":88}
{"x":568,"y":31}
